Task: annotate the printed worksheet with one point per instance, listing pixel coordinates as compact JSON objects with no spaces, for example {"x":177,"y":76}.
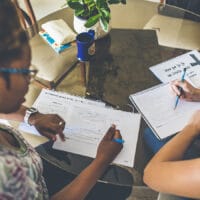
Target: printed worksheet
{"x":172,"y":69}
{"x":156,"y":105}
{"x":86,"y":123}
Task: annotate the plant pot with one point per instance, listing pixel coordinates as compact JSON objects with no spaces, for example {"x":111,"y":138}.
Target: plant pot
{"x":79,"y":27}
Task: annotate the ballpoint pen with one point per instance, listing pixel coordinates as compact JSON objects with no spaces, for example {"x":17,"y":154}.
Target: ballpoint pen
{"x":180,"y":89}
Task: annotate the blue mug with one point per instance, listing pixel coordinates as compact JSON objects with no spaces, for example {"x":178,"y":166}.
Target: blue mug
{"x":85,"y":45}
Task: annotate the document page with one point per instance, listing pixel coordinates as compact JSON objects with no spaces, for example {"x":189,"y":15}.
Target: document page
{"x":172,"y":69}
{"x":86,"y":123}
{"x":156,"y":105}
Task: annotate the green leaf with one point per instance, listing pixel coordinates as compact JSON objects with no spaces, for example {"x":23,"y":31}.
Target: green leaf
{"x":114,"y":1}
{"x":75,"y":4}
{"x":80,"y":13}
{"x":88,"y":1}
{"x":105,"y":14}
{"x":101,"y":4}
{"x":104,"y":24}
{"x":92,"y":21}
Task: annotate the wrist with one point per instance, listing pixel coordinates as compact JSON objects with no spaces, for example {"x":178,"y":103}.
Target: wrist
{"x":101,"y":163}
{"x":196,"y":94}
{"x":33,"y":118}
{"x":30,"y":115}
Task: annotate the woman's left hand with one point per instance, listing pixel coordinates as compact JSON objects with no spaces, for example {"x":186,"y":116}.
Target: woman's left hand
{"x":49,"y":125}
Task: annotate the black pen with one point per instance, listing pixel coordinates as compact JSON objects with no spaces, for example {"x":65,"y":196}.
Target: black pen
{"x":180,"y":89}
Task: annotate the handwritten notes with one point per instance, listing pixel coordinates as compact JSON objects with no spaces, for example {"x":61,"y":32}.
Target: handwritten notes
{"x":172,"y":69}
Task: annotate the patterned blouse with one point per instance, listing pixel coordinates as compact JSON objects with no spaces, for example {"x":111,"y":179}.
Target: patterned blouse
{"x":21,"y":171}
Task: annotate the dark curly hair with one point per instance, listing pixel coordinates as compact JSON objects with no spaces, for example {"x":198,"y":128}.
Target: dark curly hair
{"x":12,"y":35}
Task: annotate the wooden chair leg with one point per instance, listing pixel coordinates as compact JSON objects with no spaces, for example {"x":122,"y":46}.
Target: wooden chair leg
{"x":31,"y":14}
{"x":20,"y":14}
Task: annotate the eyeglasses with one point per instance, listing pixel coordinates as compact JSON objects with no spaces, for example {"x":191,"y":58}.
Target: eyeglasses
{"x":29,"y":72}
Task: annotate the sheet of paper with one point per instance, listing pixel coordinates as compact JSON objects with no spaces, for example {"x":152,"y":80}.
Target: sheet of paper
{"x":157,"y":108}
{"x":87,"y":122}
{"x":172,"y":69}
{"x":55,"y":101}
{"x":28,"y":129}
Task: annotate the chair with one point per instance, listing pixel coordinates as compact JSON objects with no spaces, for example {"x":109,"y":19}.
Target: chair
{"x":52,"y":67}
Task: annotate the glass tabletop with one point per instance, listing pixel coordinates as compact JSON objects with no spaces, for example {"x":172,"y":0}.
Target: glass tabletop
{"x":144,"y":33}
{"x":147,"y":33}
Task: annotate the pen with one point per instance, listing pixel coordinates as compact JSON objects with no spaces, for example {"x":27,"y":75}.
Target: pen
{"x":118,"y":140}
{"x":180,"y":89}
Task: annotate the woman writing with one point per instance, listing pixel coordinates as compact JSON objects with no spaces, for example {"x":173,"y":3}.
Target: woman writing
{"x":20,"y":166}
{"x":169,"y":171}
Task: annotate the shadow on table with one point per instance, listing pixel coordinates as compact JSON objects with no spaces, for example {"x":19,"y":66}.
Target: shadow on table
{"x":60,"y":168}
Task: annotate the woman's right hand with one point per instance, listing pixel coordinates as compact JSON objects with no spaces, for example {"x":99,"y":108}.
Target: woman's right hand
{"x":190,"y":93}
{"x":108,"y":148}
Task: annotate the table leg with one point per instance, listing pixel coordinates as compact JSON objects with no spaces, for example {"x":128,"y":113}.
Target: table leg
{"x":83,"y":72}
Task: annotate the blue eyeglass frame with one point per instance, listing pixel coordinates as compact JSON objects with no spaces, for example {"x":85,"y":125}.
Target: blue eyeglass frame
{"x":18,"y":71}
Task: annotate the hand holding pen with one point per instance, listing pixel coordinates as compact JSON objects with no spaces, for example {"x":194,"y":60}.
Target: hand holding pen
{"x":190,"y":93}
{"x":180,"y":89}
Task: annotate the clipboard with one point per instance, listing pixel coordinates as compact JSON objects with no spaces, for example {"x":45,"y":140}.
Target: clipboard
{"x":156,"y":104}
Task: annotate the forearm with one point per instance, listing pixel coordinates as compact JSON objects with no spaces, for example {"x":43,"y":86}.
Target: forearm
{"x":170,"y":152}
{"x":79,"y":188}
{"x":168,"y":173}
{"x":16,"y":116}
{"x":176,"y":147}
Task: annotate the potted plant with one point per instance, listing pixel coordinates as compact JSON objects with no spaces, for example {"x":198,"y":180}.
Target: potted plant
{"x":91,"y":13}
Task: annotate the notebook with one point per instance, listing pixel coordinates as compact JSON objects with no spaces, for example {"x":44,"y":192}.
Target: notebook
{"x":156,"y":105}
{"x":58,"y":48}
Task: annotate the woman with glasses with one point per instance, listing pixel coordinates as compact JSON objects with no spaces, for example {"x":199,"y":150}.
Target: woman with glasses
{"x":20,"y":166}
{"x":47,"y":124}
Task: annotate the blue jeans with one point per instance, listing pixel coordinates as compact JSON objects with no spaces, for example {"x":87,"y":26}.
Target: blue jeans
{"x":154,"y":144}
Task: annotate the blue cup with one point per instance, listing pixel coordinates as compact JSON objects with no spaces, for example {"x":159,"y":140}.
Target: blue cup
{"x":85,"y":45}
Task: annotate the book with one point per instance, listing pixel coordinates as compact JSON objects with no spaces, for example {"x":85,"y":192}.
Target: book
{"x":172,"y":69}
{"x":58,"y":48}
{"x":86,"y":123}
{"x":156,"y":104}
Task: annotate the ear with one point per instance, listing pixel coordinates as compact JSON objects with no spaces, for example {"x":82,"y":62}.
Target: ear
{"x":4,"y":81}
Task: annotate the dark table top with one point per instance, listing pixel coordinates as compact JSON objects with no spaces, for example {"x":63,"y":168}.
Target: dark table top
{"x":120,"y":67}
